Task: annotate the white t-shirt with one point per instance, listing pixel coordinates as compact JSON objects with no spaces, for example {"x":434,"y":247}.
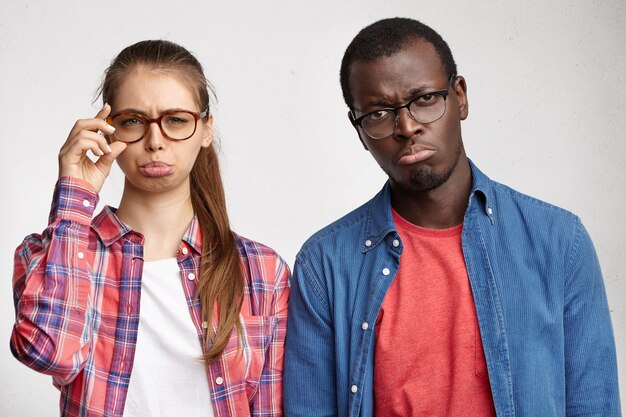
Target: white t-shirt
{"x":168,"y":376}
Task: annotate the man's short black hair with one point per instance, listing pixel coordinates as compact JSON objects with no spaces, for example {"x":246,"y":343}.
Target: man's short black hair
{"x":385,"y":38}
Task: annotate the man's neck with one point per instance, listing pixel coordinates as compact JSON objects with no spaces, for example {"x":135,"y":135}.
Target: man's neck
{"x":440,"y":208}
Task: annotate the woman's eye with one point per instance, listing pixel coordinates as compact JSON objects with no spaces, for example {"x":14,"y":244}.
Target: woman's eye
{"x":176,"y":120}
{"x":131,"y":121}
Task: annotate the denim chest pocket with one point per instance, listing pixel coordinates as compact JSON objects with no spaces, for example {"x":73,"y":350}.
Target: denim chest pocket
{"x":257,"y":332}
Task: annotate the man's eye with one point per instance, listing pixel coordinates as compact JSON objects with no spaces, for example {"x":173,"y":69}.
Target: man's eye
{"x":378,"y":115}
{"x":426,"y":99}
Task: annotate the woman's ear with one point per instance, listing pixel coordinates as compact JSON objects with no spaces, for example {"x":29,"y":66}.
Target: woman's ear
{"x":207,"y":134}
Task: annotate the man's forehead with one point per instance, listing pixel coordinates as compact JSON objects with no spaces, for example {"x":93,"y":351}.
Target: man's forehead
{"x":415,"y":66}
{"x":416,"y":49}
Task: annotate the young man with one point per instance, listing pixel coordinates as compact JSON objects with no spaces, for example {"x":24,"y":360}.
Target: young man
{"x":447,"y":294}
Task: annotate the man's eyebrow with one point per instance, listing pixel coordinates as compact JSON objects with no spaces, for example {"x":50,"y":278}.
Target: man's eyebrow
{"x":415,"y":92}
{"x":410,"y":95}
{"x":378,"y":103}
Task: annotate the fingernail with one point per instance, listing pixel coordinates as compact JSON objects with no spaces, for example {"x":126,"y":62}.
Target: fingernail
{"x":111,"y":128}
{"x":108,"y":148}
{"x":99,"y":152}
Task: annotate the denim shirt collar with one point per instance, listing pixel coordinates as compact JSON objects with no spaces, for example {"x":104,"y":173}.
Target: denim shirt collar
{"x":380,"y":222}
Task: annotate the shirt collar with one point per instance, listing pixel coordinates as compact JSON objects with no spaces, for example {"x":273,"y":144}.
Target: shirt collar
{"x":193,"y":235}
{"x":482,"y":187}
{"x":380,"y":220}
{"x":110,"y":228}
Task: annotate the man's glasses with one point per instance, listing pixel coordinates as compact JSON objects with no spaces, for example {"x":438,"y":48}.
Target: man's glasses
{"x":174,"y":124}
{"x":426,"y":108}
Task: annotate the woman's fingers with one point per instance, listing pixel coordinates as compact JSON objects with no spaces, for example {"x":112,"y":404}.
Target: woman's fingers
{"x":104,"y":112}
{"x":96,"y":124}
{"x":106,"y":160}
{"x":85,"y":140}
{"x":88,"y":135}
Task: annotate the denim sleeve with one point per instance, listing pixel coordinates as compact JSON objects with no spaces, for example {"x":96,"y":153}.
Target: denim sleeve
{"x":590,"y":362}
{"x":309,"y":378}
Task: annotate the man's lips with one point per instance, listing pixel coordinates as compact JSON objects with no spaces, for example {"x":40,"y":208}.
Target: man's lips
{"x":156,"y":169}
{"x":414,"y":154}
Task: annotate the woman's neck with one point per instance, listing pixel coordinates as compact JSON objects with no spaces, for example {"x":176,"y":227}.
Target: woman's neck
{"x":162,"y":218}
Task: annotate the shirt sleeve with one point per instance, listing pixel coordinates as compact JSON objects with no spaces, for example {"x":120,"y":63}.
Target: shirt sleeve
{"x":51,"y":287}
{"x":269,"y":401}
{"x":590,"y":360}
{"x":310,"y":384}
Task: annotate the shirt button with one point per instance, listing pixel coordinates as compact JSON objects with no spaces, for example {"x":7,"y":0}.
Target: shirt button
{"x":368,"y":243}
{"x":364,"y":326}
{"x":489,"y":211}
{"x":86,"y":203}
{"x":386,"y":271}
{"x":219,"y":380}
{"x":191,"y":276}
{"x":205,"y":325}
{"x":81,"y":255}
{"x":354,"y":389}
{"x":395,"y":243}
{"x":185,"y":251}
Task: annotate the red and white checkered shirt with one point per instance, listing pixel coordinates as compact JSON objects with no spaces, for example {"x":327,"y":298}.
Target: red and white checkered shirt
{"x":76,"y":292}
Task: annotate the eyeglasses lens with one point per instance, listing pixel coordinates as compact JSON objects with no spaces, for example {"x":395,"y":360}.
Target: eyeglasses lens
{"x":130,"y":127}
{"x":424,"y":109}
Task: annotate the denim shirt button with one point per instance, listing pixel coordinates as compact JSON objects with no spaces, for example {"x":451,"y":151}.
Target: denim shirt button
{"x":365,"y":326}
{"x":395,"y":243}
{"x":489,"y":211}
{"x":386,"y":271}
{"x":368,"y":243}
{"x":354,"y":389}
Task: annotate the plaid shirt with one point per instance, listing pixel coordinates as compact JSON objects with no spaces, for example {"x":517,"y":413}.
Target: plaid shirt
{"x":76,"y":292}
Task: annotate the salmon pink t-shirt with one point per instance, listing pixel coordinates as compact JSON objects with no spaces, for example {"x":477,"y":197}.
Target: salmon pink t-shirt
{"x":429,"y":358}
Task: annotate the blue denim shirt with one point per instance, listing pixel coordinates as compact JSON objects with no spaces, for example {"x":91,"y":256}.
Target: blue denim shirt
{"x":539,"y":296}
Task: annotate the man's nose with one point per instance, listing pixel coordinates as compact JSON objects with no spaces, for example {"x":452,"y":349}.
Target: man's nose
{"x":406,"y":125}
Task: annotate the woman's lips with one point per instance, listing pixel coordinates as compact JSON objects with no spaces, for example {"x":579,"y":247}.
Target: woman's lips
{"x":415,"y":154}
{"x":156,"y":169}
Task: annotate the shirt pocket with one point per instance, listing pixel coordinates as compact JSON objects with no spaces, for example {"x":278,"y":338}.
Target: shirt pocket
{"x":257,"y":332}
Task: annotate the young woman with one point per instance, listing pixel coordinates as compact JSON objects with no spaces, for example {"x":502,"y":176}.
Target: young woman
{"x":156,"y":308}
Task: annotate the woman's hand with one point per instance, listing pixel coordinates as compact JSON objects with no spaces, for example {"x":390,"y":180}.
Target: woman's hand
{"x":85,"y":136}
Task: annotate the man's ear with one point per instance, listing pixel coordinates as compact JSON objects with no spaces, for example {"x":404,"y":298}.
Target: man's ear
{"x":207,"y":134}
{"x":351,"y":118}
{"x":460,"y":88}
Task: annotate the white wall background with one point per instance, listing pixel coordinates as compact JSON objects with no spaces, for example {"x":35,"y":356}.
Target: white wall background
{"x":547,"y":90}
